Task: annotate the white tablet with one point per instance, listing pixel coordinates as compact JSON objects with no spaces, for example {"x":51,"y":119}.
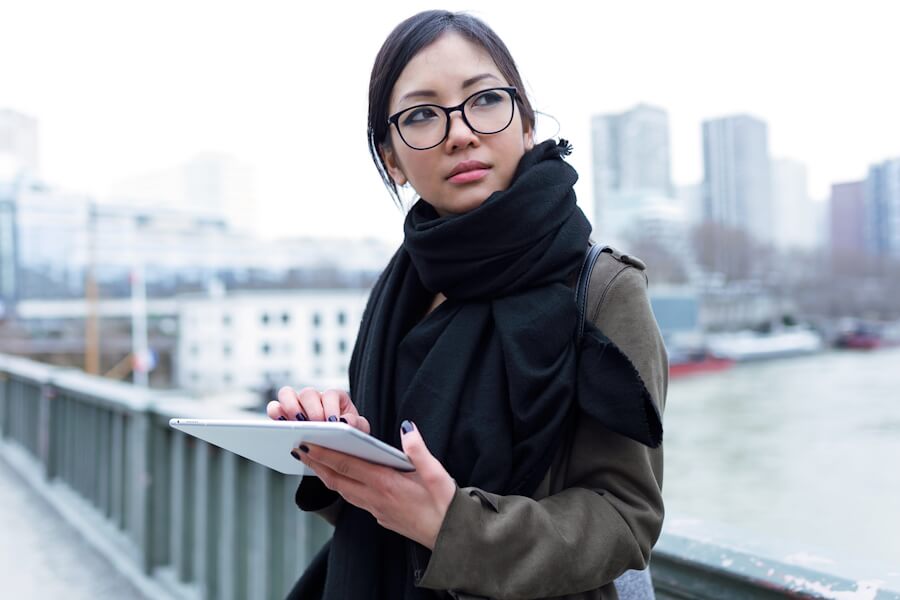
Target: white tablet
{"x":269,"y":443}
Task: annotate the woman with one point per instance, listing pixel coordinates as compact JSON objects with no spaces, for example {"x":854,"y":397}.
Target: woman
{"x":534,"y":478}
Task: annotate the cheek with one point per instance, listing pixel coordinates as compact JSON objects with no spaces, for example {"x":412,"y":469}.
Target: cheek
{"x":423,"y":170}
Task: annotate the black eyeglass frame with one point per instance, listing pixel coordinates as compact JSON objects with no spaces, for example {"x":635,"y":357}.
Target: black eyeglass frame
{"x":513,"y":94}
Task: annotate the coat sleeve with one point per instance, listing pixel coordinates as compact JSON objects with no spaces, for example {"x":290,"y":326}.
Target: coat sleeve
{"x":605,"y":522}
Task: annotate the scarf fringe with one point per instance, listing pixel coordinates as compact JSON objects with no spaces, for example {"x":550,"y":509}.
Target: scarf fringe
{"x":564,"y":147}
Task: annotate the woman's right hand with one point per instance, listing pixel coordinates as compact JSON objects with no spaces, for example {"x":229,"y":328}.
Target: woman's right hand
{"x":309,"y":404}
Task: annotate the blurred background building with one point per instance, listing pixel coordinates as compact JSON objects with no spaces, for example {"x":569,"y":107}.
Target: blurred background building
{"x":737,"y":188}
{"x":257,"y":339}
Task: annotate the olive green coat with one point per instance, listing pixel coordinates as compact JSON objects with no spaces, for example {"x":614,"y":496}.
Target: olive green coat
{"x":599,"y":510}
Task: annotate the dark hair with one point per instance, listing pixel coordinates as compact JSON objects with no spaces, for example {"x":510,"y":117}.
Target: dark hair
{"x":401,"y":46}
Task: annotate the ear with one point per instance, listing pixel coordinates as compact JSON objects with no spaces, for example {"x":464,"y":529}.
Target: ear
{"x":393,"y":166}
{"x":528,"y":138}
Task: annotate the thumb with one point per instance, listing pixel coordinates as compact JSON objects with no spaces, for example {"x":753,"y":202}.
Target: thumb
{"x":414,"y":446}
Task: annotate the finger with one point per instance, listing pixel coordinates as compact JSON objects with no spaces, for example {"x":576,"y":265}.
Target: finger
{"x":347,"y":487}
{"x":311,"y":402}
{"x":414,"y":447}
{"x":347,"y":465}
{"x":274,"y":411}
{"x":364,"y":425}
{"x":357,"y":421}
{"x":347,"y":405}
{"x":289,"y":405}
{"x":331,"y":402}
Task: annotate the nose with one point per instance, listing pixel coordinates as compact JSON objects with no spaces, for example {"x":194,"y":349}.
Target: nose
{"x":460,"y":134}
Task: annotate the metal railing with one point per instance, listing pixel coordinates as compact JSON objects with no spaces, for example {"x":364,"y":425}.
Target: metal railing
{"x":199,"y":522}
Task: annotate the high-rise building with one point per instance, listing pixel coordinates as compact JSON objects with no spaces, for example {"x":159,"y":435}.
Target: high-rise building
{"x":882,"y":200}
{"x":630,"y":164}
{"x":736,"y":175}
{"x":794,"y":216}
{"x":847,"y":216}
{"x":18,"y":142}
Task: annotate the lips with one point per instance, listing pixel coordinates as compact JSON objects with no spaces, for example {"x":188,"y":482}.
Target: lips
{"x":467,"y":165}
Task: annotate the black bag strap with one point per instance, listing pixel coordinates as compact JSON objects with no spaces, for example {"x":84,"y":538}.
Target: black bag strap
{"x":584,"y":277}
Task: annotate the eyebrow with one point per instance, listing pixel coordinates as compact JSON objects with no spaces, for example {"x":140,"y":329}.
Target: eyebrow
{"x":432,"y":94}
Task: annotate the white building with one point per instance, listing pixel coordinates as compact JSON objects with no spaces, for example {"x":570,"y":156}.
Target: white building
{"x":736,"y":174}
{"x":630,"y":156}
{"x":690,"y":196}
{"x":795,"y":218}
{"x":254,"y":339}
{"x":54,"y":236}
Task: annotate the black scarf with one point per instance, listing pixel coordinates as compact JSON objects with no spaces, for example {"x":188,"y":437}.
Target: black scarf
{"x":490,"y":375}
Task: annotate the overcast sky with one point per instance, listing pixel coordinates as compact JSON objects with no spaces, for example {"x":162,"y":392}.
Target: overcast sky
{"x":122,"y":88}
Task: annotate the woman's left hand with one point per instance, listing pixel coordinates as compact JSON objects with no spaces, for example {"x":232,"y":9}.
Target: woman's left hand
{"x":412,"y":504}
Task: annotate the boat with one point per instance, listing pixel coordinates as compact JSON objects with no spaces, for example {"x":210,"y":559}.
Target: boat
{"x":683,"y":363}
{"x":751,"y":345}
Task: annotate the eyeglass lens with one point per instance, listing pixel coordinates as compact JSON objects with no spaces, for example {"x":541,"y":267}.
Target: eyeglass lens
{"x":425,"y":126}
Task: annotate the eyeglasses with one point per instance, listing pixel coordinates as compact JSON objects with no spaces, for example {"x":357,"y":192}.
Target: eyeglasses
{"x":425,"y":126}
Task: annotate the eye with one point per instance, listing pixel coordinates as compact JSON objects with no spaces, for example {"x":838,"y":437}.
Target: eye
{"x":487,"y":99}
{"x":419,"y":115}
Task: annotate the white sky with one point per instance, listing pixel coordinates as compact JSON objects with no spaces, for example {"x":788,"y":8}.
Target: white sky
{"x":122,"y":88}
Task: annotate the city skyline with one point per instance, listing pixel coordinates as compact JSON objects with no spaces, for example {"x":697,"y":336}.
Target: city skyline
{"x":150,"y":106}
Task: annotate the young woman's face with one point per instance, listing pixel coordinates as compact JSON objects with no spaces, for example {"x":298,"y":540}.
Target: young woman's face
{"x":450,"y":70}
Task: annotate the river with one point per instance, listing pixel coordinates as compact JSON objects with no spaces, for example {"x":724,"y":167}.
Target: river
{"x":801,"y":455}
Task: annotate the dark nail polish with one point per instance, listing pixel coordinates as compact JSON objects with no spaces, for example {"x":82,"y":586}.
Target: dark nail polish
{"x":406,"y":426}
{"x":343,"y":420}
{"x":282,"y":418}
{"x":304,"y":447}
{"x":295,"y":455}
{"x":300,"y":417}
{"x":332,"y":418}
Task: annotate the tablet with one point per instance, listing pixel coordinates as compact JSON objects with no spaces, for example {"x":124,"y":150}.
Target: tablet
{"x":269,"y":442}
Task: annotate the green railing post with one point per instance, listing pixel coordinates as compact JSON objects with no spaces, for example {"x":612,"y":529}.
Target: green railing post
{"x":140,"y":508}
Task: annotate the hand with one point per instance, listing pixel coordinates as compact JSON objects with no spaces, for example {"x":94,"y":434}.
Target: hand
{"x":412,"y":504}
{"x":310,"y":405}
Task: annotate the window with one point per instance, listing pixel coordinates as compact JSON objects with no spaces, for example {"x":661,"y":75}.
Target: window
{"x":285,"y":318}
{"x":342,"y":318}
{"x":226,"y":320}
{"x":265,"y":318}
{"x":316,"y":319}
{"x":266,"y":348}
{"x":195,"y":350}
{"x":342,"y":346}
{"x":226,"y":349}
{"x":226,"y":379}
{"x":317,"y":347}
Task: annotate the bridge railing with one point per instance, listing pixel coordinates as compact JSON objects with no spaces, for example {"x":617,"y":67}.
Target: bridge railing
{"x":200,"y":521}
{"x":195,"y":521}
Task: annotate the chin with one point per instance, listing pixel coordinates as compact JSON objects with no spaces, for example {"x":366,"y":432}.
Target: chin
{"x":464,"y":205}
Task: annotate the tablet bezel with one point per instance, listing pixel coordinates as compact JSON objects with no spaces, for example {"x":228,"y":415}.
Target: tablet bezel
{"x":273,"y":451}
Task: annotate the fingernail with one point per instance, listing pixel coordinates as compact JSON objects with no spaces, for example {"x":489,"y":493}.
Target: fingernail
{"x":300,"y":417}
{"x":304,"y":447}
{"x":295,"y":455}
{"x":406,"y":426}
{"x":343,"y":420}
{"x":282,"y":418}
{"x":332,"y":418}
